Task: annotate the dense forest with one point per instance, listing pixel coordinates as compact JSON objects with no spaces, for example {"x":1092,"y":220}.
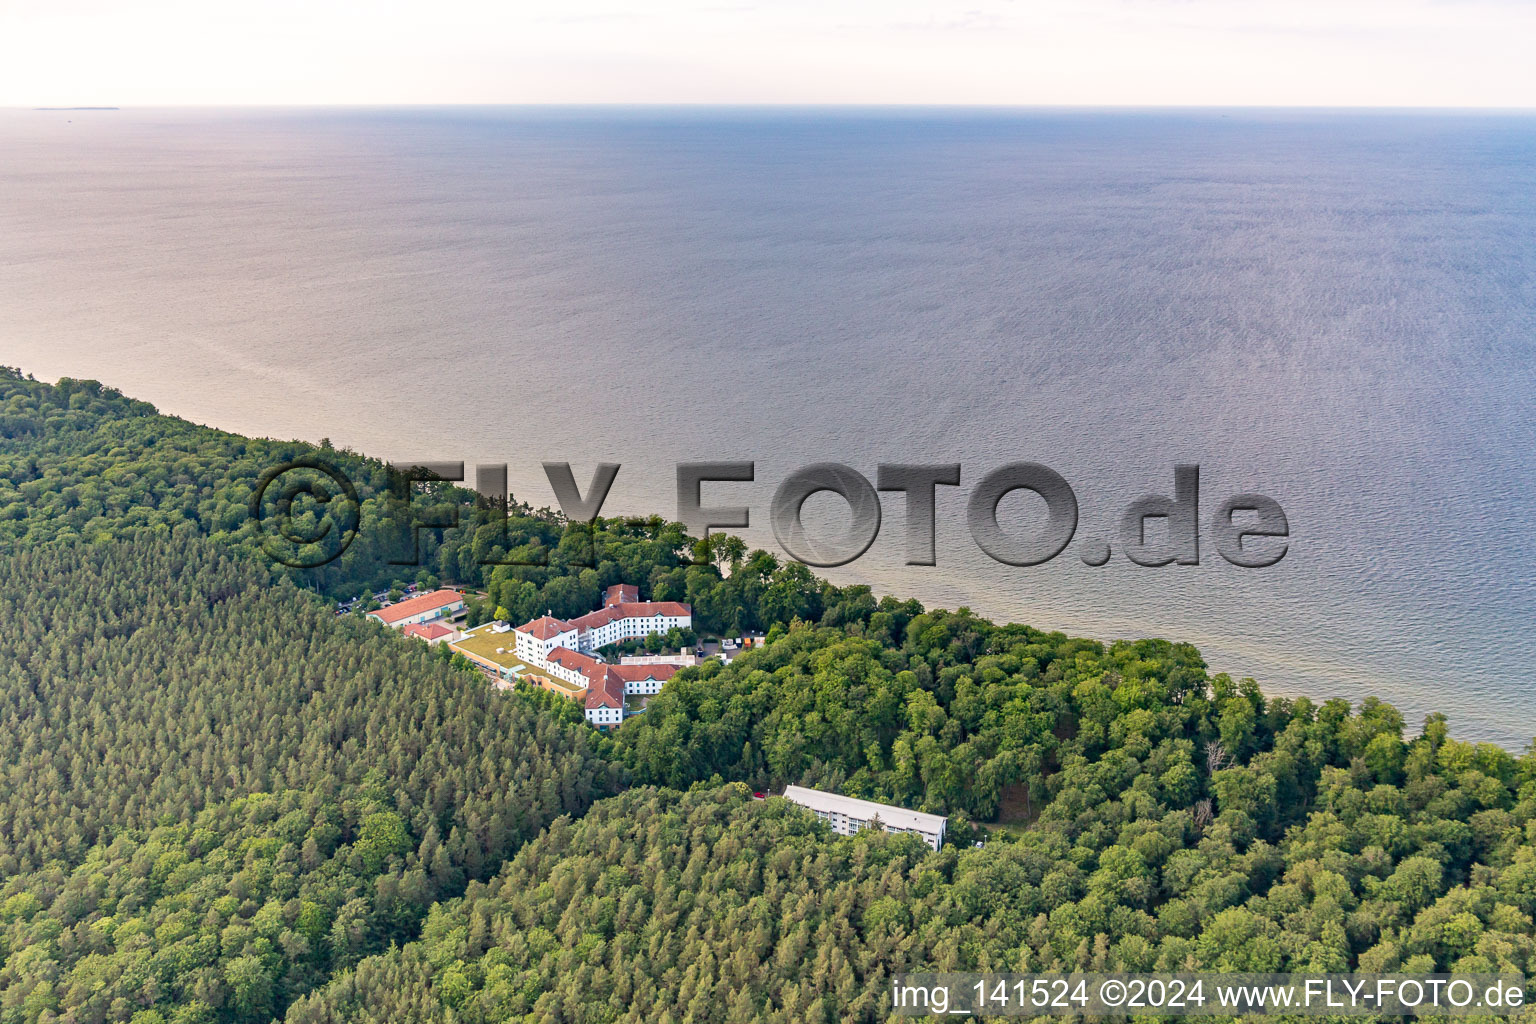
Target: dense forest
{"x":223,"y":803}
{"x":1182,"y":824}
{"x":216,"y":793}
{"x":714,"y":906}
{"x":937,"y":711}
{"x":79,"y":460}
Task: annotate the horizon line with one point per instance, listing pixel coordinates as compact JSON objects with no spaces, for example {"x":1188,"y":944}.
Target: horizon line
{"x":699,"y":105}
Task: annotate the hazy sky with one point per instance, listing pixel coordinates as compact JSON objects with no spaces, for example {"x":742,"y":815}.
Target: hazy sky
{"x":1331,"y":52}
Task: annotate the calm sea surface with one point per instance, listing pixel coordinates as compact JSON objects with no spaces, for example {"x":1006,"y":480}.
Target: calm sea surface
{"x":1335,"y":310}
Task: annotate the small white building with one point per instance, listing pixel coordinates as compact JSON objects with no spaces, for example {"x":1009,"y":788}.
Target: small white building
{"x":433,"y":633}
{"x":848,"y":815}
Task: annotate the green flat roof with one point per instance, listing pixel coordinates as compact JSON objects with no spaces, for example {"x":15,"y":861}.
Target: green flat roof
{"x":482,"y":643}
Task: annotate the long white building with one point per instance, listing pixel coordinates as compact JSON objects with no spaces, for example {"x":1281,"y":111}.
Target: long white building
{"x":440,"y":604}
{"x":623,"y":616}
{"x":850,"y":816}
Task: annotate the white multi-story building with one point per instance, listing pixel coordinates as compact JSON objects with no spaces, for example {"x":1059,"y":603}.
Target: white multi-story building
{"x":605,"y":700}
{"x":618,"y":620}
{"x":643,"y":680}
{"x":565,"y":649}
{"x":624,"y":616}
{"x":849,"y":816}
{"x":572,"y":666}
{"x":536,"y":639}
{"x":609,"y":685}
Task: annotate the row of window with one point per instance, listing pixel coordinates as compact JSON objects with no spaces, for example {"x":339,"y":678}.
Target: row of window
{"x":621,"y":630}
{"x":857,"y":825}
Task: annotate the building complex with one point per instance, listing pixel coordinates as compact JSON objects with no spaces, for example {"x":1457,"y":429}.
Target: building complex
{"x":622,"y":617}
{"x":561,"y":655}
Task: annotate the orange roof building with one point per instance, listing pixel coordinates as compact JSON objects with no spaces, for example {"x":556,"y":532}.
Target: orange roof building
{"x":565,"y":649}
{"x":439,"y":604}
{"x":431,"y":632}
{"x":605,"y":699}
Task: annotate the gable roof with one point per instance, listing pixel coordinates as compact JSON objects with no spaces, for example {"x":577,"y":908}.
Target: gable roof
{"x":631,"y":610}
{"x":621,"y":593}
{"x":606,"y":690}
{"x":574,"y":660}
{"x":416,"y":605}
{"x":427,"y":630}
{"x":636,"y":673}
{"x":545,"y":627}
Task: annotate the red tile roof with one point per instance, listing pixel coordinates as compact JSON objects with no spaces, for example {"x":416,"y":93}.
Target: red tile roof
{"x":546,"y":627}
{"x":621,"y":593}
{"x":635,"y":673}
{"x":606,"y":689}
{"x":427,"y":630}
{"x":416,"y":605}
{"x":567,"y":658}
{"x":630,"y":610}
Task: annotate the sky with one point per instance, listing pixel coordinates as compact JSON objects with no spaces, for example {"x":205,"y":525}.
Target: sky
{"x":1412,"y":53}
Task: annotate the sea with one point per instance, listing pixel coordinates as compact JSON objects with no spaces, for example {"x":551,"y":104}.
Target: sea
{"x":1334,"y":309}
